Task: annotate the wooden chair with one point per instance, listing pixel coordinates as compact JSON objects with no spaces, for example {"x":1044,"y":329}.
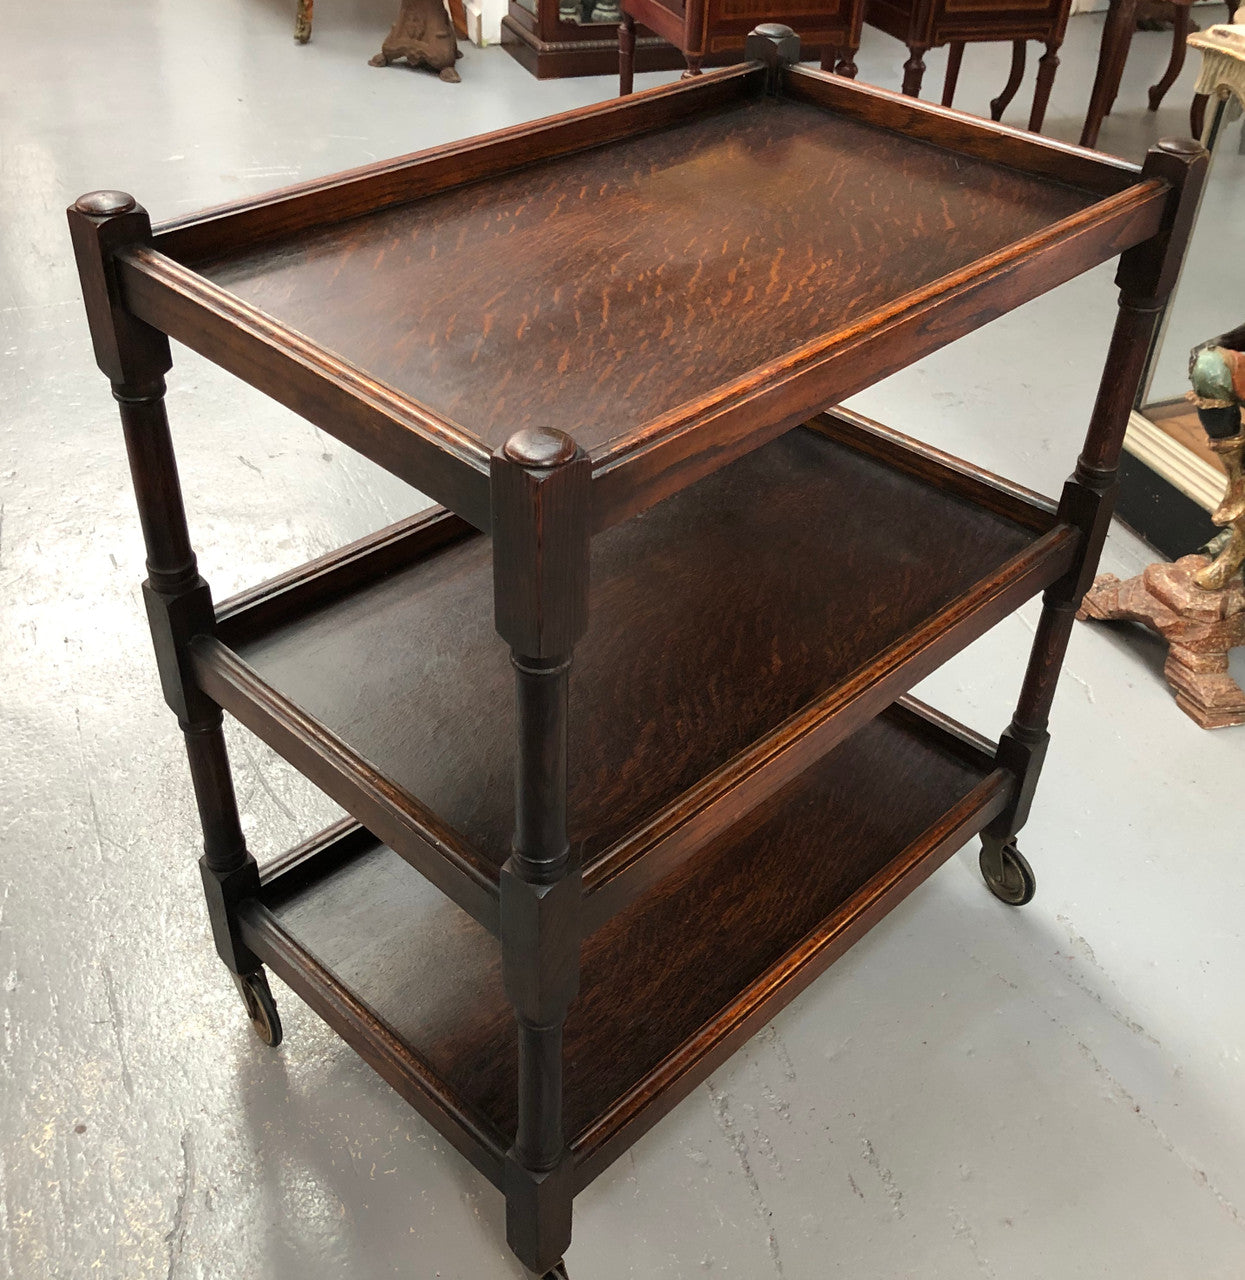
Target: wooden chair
{"x":1117,"y":37}
{"x":699,"y":28}
{"x":928,"y":24}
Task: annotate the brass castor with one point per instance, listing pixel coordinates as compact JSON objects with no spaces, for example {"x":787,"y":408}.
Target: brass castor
{"x":1007,"y":873}
{"x":558,"y":1273}
{"x":261,"y":1008}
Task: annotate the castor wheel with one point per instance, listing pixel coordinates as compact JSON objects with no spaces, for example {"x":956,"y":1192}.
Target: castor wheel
{"x":1007,"y":873}
{"x":261,"y":1008}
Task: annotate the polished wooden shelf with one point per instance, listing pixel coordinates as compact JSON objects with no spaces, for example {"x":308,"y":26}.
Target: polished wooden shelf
{"x":591,"y":284}
{"x":633,"y":689}
{"x":862,"y":557}
{"x":669,"y":987}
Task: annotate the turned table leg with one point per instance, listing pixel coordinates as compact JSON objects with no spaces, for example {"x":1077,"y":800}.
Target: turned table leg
{"x":135,"y":357}
{"x":914,"y":70}
{"x":539,"y":485}
{"x":1146,"y":276}
{"x":846,"y":65}
{"x":841,"y":61}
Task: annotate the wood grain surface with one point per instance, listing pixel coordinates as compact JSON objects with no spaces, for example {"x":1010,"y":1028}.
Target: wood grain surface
{"x":649,"y":981}
{"x":592,"y":293}
{"x":714,"y":617}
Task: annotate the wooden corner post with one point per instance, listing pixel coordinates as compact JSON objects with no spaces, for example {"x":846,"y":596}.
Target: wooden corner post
{"x":135,"y":358}
{"x":776,"y":46}
{"x":541,"y":532}
{"x":1147,"y":273}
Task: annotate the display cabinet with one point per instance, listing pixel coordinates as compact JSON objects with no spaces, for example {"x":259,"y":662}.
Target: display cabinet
{"x":556,"y":38}
{"x":622,"y":726}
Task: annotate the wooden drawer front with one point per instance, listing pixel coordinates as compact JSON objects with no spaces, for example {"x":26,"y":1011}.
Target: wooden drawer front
{"x":1003,"y":8}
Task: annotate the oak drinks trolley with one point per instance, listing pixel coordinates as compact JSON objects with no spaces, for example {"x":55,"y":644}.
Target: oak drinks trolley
{"x":621,"y":726}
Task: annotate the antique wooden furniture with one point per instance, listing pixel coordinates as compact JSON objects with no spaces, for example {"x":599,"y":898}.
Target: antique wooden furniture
{"x":1117,"y":38}
{"x":554,"y":38}
{"x":622,"y":728}
{"x":699,"y":28}
{"x":927,"y":24}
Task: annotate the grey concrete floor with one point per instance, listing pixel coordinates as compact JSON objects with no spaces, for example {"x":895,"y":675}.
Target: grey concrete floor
{"x":1054,"y":1092}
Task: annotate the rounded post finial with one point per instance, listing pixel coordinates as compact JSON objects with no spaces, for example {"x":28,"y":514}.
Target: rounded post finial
{"x":1180,"y":146}
{"x":105,"y":204}
{"x":774,"y":45}
{"x":772,"y":31}
{"x":540,"y":448}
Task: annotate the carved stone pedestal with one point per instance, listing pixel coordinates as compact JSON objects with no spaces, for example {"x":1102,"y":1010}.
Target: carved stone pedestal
{"x":1199,"y":626}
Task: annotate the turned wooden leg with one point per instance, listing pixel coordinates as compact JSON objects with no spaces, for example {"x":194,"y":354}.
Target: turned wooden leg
{"x":1180,"y":32}
{"x":841,"y":61}
{"x":136,"y":357}
{"x":1117,"y":36}
{"x":302,"y":20}
{"x":955,"y":56}
{"x":914,"y":70}
{"x":846,"y":65}
{"x":539,"y":485}
{"x":626,"y":54}
{"x":540,"y":896}
{"x":1048,"y":64}
{"x":1014,"y":76}
{"x":1145,"y":277}
{"x":693,"y":61}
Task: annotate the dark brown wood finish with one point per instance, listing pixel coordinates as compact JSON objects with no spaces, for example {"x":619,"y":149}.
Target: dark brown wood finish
{"x":618,"y":319}
{"x":928,"y":24}
{"x":135,"y":359}
{"x":636,"y":259}
{"x":536,"y":36}
{"x":775,"y":901}
{"x":813,"y":540}
{"x":1145,"y":277}
{"x":985,"y":139}
{"x":354,"y":193}
{"x":541,"y":535}
{"x":683,"y":718}
{"x":700,"y":29}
